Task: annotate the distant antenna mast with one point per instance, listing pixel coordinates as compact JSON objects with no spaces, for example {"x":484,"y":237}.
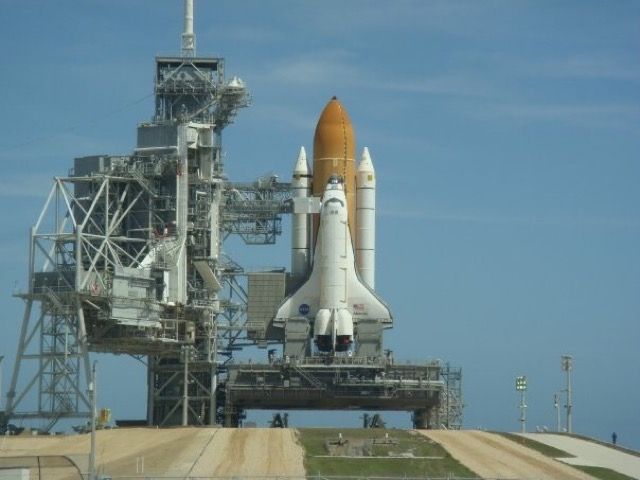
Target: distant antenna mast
{"x":567,"y":366}
{"x":188,"y":37}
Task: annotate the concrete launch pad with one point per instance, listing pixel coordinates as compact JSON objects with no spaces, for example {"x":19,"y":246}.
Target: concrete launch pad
{"x":341,"y":383}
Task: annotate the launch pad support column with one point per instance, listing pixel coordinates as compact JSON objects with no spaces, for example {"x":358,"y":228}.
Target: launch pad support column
{"x":213,"y":359}
{"x":186,"y":351}
{"x":150,"y":389}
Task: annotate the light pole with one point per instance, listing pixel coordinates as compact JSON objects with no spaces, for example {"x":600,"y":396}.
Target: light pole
{"x":521,"y":386}
{"x":567,"y":366}
{"x":556,"y":405}
{"x":92,"y":395}
{"x":1,"y":358}
{"x":186,"y":354}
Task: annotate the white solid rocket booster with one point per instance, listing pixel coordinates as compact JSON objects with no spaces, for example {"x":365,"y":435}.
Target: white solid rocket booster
{"x":301,"y":188}
{"x":366,"y":220}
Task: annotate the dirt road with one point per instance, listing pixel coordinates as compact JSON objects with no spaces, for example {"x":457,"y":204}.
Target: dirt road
{"x":591,"y":453}
{"x":252,"y":451}
{"x":492,"y":456}
{"x":174,"y":451}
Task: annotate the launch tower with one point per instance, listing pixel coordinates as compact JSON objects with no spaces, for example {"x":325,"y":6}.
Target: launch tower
{"x":125,"y":257}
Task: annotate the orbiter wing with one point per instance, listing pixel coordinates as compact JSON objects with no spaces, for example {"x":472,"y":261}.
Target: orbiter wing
{"x":361,"y":301}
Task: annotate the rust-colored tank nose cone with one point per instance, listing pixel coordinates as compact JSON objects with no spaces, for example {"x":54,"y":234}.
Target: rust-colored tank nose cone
{"x":334,"y":138}
{"x":334,"y":152}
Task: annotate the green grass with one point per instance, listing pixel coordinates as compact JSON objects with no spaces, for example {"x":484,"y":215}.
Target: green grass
{"x":537,"y":446}
{"x":603,"y":473}
{"x":409,"y":443}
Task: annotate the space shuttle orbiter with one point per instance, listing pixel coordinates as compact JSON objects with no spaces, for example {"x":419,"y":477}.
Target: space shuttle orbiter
{"x":333,"y":243}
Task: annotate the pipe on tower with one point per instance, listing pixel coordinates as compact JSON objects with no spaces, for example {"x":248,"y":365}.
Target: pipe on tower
{"x":188,"y":16}
{"x":188,"y":37}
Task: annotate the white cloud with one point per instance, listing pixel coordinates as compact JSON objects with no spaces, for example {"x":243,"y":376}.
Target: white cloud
{"x":511,"y":220}
{"x":317,"y":69}
{"x":287,"y":116}
{"x":340,"y":67}
{"x":35,"y":185}
{"x":64,"y":146}
{"x":603,"y":66}
{"x":566,"y":110}
{"x":451,"y":84}
{"x":366,"y":17}
{"x":239,"y":33}
{"x":613,"y":65}
{"x":603,"y":115}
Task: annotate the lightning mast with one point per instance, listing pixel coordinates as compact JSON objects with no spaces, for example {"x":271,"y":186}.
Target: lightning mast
{"x":188,"y":37}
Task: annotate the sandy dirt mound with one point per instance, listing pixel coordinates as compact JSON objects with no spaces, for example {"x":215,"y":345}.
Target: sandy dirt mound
{"x":492,"y":456}
{"x":175,"y":451}
{"x":252,"y":451}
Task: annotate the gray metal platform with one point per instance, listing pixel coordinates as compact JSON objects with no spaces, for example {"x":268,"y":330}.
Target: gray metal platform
{"x":341,"y":383}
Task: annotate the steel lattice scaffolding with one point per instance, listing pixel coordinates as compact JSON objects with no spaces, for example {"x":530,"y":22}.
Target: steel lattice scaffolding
{"x":126,"y":257}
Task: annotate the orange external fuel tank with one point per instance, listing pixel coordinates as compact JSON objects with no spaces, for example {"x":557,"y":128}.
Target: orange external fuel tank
{"x":334,"y":150}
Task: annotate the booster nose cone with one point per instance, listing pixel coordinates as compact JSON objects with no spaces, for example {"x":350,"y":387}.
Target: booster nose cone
{"x":301,"y":167}
{"x":366,"y":165}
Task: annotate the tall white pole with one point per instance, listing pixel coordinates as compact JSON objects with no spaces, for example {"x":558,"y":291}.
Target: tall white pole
{"x":523,"y":414}
{"x":521,"y":386}
{"x":92,"y":454}
{"x":185,"y":387}
{"x":188,"y":37}
{"x":569,"y":402}
{"x":556,"y":405}
{"x":188,"y":16}
{"x":567,"y":366}
{"x":214,"y":376}
{"x":1,"y":359}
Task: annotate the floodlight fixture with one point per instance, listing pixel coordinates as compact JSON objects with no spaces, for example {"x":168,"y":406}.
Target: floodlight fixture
{"x":521,"y":387}
{"x":567,"y":363}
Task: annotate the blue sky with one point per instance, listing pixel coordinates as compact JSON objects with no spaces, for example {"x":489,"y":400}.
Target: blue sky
{"x":505,"y":135}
